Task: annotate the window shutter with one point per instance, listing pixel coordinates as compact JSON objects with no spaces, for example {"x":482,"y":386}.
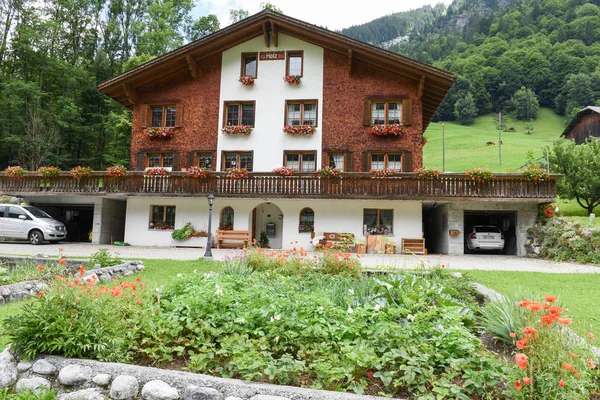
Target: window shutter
{"x":407,"y":161}
{"x":407,"y":117}
{"x":140,"y":160}
{"x":176,"y":166}
{"x":144,"y":108}
{"x":366,"y":164}
{"x":191,"y":158}
{"x":179,"y":114}
{"x":349,"y":162}
{"x":367,"y":113}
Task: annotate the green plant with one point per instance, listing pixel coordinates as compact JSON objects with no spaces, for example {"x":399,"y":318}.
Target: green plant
{"x":535,"y":175}
{"x":197,"y":172}
{"x":81,"y":172}
{"x":501,"y":318}
{"x":6,"y":394}
{"x":187,"y":231}
{"x":116,"y":171}
{"x":329,"y":172}
{"x":428,"y":173}
{"x":103,"y":258}
{"x":481,"y":175}
{"x":48,"y":172}
{"x":16,"y":172}
{"x":263,"y":240}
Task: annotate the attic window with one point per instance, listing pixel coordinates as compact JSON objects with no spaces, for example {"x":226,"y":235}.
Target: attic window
{"x":250,"y":64}
{"x":294,"y":63}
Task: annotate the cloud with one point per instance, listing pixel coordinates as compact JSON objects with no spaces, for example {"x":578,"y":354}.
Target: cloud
{"x":333,"y":14}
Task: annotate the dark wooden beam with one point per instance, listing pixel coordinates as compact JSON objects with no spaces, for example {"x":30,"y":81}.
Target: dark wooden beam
{"x":130,"y":93}
{"x":349,"y":62}
{"x":266,"y":34}
{"x":421,"y":86}
{"x":274,"y":34}
{"x":194,"y":68}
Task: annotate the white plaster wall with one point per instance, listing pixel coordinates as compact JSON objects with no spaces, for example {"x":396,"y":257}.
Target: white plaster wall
{"x":270,"y":93}
{"x":343,"y":216}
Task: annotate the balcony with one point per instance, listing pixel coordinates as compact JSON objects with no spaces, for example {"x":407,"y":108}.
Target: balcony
{"x":404,"y":186}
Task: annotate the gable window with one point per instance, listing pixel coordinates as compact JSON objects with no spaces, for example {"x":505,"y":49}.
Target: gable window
{"x":238,"y":160}
{"x":301,"y":161}
{"x":301,"y":112}
{"x":307,"y":221}
{"x":239,"y":113}
{"x":164,"y":160}
{"x":378,"y":221}
{"x":203,"y":160}
{"x":337,"y":160}
{"x":163,"y":116}
{"x":386,"y":160}
{"x":162,"y":217}
{"x":226,"y":220}
{"x":294,"y":63}
{"x":250,"y":64}
{"x":383,"y":113}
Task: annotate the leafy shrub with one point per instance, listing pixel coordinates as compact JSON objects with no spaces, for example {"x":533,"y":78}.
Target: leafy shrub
{"x":481,"y":175}
{"x":103,"y":258}
{"x":188,"y":231}
{"x":28,"y":395}
{"x":501,"y":318}
{"x":561,"y":240}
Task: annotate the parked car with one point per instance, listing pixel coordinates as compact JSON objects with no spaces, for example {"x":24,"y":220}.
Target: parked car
{"x":31,"y":223}
{"x":485,"y":237}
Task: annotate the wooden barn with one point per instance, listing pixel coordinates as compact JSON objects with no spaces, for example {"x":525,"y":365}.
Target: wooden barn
{"x":586,"y":124}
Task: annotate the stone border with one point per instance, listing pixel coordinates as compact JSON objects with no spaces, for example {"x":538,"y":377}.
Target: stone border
{"x":93,"y":380}
{"x":20,"y":290}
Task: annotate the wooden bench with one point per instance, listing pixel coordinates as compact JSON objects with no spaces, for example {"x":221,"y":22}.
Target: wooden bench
{"x":413,"y":246}
{"x":233,"y":238}
{"x":336,"y":239}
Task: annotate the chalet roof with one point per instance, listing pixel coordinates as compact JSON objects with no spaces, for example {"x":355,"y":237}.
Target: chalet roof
{"x":434,"y":82}
{"x":577,"y":118}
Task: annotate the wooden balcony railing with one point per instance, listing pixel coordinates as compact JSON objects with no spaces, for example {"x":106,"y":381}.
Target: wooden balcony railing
{"x":404,"y":186}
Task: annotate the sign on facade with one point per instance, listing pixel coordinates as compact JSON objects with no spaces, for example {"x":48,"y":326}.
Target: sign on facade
{"x":271,"y":55}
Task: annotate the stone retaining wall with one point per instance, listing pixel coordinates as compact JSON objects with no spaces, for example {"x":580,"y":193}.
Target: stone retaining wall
{"x":21,"y":290}
{"x":94,"y":380}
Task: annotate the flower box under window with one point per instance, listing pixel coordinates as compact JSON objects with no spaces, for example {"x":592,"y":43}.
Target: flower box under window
{"x":242,"y":130}
{"x":159,"y":133}
{"x":386,"y":130}
{"x":299,"y":130}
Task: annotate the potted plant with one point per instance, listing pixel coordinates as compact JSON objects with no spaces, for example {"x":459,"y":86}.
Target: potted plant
{"x":387,"y":130}
{"x":155,"y":171}
{"x":197,"y":172}
{"x":306,"y":227}
{"x":116,"y":171}
{"x":241,"y":130}
{"x":81,"y":172}
{"x":299,"y":130}
{"x":284,"y":171}
{"x":188,"y":236}
{"x":15,"y":172}
{"x":535,"y":175}
{"x":481,"y":175}
{"x":383,"y":172}
{"x":292,"y":79}
{"x":263,"y":240}
{"x":159,"y":133}
{"x":236,"y":173}
{"x":48,"y":172}
{"x":329,"y":172}
{"x":428,"y":173}
{"x":246,"y":80}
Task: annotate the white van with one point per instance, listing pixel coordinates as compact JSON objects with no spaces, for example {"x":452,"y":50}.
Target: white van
{"x":31,"y":223}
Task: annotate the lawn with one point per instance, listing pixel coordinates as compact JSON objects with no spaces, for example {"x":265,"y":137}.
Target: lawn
{"x":578,"y":293}
{"x":466,"y":146}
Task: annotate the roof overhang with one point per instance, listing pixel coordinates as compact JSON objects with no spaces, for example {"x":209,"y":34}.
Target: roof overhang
{"x":434,"y":83}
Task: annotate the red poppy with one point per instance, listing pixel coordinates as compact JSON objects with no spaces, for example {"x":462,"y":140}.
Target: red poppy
{"x":41,"y":267}
{"x":565,"y":321}
{"x":550,"y":298}
{"x":526,"y":381}
{"x":561,"y":383}
{"x":521,"y":360}
{"x":62,"y":261}
{"x":566,"y":366}
{"x":591,"y":364}
{"x":591,"y":336}
{"x":518,"y":385}
{"x":41,"y":293}
{"x":513,"y":335}
{"x":521,"y":344}
{"x":573,"y":355}
{"x":82,"y":271}
{"x":529,"y":330}
{"x":535,"y":306}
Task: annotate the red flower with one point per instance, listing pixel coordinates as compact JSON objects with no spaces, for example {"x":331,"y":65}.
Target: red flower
{"x":526,"y":381}
{"x":369,"y":374}
{"x":561,"y":383}
{"x":82,"y":271}
{"x":521,"y":344}
{"x":591,"y":364}
{"x":567,"y":367}
{"x":41,"y":293}
{"x":573,"y":355}
{"x":62,"y":261}
{"x":529,"y":330}
{"x":521,"y":360}
{"x":513,"y":335}
{"x":518,"y":385}
{"x":550,"y":299}
{"x":535,"y":306}
{"x":565,"y":321}
{"x":41,"y":267}
{"x":591,"y":336}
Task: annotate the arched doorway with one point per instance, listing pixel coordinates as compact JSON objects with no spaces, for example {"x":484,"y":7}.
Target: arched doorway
{"x":268,"y":218}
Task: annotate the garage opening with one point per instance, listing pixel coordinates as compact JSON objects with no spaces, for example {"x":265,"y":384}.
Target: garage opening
{"x":506,"y":221}
{"x":78,"y":218}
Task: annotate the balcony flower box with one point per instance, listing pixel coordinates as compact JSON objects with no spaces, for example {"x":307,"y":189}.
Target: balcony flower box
{"x":284,"y":171}
{"x":535,"y":174}
{"x":383,"y":173}
{"x":15,"y":172}
{"x":246,"y":80}
{"x":159,"y":133}
{"x":242,"y":130}
{"x":116,"y":171}
{"x":236,"y":173}
{"x":292,"y":79}
{"x":155,"y":171}
{"x":197,"y":172}
{"x":481,"y":175}
{"x":428,"y":173}
{"x":81,"y":172}
{"x":299,"y":130}
{"x":329,"y":172}
{"x":48,"y":172}
{"x":387,"y":130}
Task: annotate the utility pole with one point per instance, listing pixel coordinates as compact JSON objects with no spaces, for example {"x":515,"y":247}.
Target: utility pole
{"x":500,"y":136}
{"x":443,"y":149}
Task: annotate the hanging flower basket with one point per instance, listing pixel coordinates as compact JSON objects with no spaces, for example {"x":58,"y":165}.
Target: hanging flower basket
{"x":159,"y":133}
{"x":242,"y":130}
{"x":81,"y":172}
{"x":116,"y":171}
{"x":292,"y":79}
{"x":535,"y":174}
{"x":284,"y":171}
{"x":236,"y":173}
{"x":387,"y":130}
{"x":383,"y":172}
{"x":15,"y":172}
{"x":155,"y":171}
{"x":197,"y":172}
{"x":481,"y":175}
{"x":246,"y":80}
{"x":48,"y":172}
{"x":428,"y":173}
{"x":299,"y":130}
{"x":329,"y":172}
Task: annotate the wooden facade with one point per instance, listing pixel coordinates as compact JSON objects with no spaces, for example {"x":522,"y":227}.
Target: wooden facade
{"x":584,"y":126}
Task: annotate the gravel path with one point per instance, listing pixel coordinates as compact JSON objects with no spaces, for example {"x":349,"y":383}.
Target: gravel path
{"x":466,"y":262}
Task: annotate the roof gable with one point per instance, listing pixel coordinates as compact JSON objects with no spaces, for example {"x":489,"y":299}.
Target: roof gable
{"x":587,"y":110}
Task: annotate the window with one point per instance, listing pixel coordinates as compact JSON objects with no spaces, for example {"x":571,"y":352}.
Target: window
{"x":301,"y":161}
{"x":239,"y":114}
{"x":162,"y":217}
{"x":337,"y":160}
{"x":226,"y":220}
{"x":378,"y":222}
{"x":163,"y":116}
{"x":301,"y":113}
{"x":294,"y":63}
{"x":14,"y":212}
{"x":307,"y":221}
{"x":385,"y":113}
{"x":237,"y":160}
{"x":250,"y":64}
{"x":203,"y":160}
{"x":386,"y":160}
{"x":164,"y":160}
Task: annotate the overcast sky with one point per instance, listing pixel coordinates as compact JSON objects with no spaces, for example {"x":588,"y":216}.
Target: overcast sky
{"x":333,"y":14}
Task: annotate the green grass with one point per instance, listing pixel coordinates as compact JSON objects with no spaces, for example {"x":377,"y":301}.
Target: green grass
{"x":577,"y":293}
{"x":466,"y":146}
{"x":573,"y":212}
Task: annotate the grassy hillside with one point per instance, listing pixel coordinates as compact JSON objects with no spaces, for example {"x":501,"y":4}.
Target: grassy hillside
{"x":466,"y":146}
